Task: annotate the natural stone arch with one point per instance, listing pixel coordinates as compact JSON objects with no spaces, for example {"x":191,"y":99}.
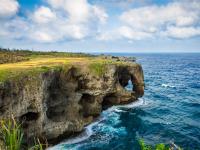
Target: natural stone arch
{"x":133,"y":74}
{"x":137,"y":79}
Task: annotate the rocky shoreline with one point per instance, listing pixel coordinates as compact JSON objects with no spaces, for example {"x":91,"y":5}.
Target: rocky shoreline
{"x":59,"y":103}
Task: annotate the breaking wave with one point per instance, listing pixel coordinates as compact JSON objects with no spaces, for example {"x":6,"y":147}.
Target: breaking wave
{"x":168,"y":85}
{"x":89,"y":130}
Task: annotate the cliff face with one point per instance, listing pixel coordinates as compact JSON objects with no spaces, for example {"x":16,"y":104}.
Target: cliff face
{"x":61,"y":102}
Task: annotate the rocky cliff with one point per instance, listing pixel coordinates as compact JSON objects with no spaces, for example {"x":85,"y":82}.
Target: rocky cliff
{"x":60,"y":102}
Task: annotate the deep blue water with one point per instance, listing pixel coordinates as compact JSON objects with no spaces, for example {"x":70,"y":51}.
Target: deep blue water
{"x":168,"y":112}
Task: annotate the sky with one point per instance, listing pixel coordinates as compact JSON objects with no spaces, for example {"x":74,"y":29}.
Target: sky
{"x":131,"y":26}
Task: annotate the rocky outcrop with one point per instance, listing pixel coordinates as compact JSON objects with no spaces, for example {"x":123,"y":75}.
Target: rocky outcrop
{"x":118,"y":58}
{"x":59,"y":103}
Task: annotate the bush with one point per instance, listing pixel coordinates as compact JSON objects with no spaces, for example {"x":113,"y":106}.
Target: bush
{"x":159,"y":146}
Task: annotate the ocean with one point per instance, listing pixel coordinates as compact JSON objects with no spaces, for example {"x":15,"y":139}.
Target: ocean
{"x":168,"y":112}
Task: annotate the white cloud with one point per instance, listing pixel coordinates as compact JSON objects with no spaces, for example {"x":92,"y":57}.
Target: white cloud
{"x":57,"y":21}
{"x":14,"y":29}
{"x":43,"y":15}
{"x":124,"y":32}
{"x":78,"y":19}
{"x":131,"y":34}
{"x":100,"y":14}
{"x":182,"y":32}
{"x":109,"y":35}
{"x":8,"y":8}
{"x":42,"y":36}
{"x":79,"y":11}
{"x":155,"y":16}
{"x":180,"y":19}
{"x":177,"y":19}
{"x":75,"y":19}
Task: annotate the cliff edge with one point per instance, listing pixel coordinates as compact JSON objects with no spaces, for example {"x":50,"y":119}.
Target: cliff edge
{"x":59,"y":101}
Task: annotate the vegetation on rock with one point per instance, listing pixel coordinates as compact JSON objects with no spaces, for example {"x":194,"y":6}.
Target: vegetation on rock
{"x":19,"y":63}
{"x":160,"y":146}
{"x":59,"y":95}
{"x":12,"y":136}
{"x":98,"y":68}
{"x":15,"y":55}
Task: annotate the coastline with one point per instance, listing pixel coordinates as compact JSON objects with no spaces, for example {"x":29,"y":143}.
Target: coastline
{"x":56,"y":103}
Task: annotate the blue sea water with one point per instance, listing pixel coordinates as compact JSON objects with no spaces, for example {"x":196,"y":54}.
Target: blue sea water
{"x":168,"y":112}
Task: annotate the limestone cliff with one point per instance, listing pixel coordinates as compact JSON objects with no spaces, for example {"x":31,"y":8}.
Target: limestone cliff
{"x":60,"y":102}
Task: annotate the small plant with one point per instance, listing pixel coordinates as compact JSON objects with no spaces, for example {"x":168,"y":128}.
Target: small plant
{"x":37,"y":146}
{"x":143,"y":146}
{"x":11,"y":134}
{"x":162,"y":146}
{"x":159,"y":146}
{"x":98,"y":68}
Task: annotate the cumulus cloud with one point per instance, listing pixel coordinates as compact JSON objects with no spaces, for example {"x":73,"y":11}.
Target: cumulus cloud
{"x":8,"y":8}
{"x":59,"y":20}
{"x":182,"y":32}
{"x":176,"y":19}
{"x":100,"y":14}
{"x":14,"y":29}
{"x":129,"y":33}
{"x":78,"y":10}
{"x":123,"y":32}
{"x":179,"y":14}
{"x":43,"y":15}
{"x":69,"y":20}
{"x":179,"y":19}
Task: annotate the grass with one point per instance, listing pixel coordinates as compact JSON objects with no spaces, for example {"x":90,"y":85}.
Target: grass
{"x":13,"y":56}
{"x":11,"y":133}
{"x":34,"y":66}
{"x":34,"y":63}
{"x":98,"y":68}
{"x":160,"y":146}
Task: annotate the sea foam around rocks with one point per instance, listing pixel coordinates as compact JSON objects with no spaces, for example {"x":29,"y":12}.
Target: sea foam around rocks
{"x":112,"y":112}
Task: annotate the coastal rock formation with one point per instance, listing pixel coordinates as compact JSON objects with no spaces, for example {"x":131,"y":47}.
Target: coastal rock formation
{"x":59,"y":103}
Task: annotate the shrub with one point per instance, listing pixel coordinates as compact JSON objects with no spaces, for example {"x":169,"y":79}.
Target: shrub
{"x":159,"y":146}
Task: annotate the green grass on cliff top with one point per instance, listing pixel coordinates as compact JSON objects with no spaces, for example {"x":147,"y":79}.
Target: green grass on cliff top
{"x":31,"y":63}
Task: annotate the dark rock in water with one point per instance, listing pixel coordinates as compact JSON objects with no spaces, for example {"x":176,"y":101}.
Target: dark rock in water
{"x":59,"y":103}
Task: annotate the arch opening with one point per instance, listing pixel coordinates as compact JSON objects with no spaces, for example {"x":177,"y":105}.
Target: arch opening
{"x":130,"y":86}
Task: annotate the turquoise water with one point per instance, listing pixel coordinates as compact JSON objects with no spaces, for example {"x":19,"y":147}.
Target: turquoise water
{"x":168,"y":112}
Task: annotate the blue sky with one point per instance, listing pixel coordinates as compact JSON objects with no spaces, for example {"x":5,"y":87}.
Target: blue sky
{"x":101,"y":25}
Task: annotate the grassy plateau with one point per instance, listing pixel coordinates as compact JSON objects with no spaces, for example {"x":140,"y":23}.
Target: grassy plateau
{"x":15,"y":63}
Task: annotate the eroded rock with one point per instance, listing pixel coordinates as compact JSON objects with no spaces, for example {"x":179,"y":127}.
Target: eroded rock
{"x":60,"y":103}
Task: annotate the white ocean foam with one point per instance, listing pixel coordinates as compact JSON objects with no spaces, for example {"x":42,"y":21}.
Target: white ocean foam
{"x":81,"y":137}
{"x":138,"y":103}
{"x":116,"y":108}
{"x":89,"y":129}
{"x":119,"y":110}
{"x":168,"y":85}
